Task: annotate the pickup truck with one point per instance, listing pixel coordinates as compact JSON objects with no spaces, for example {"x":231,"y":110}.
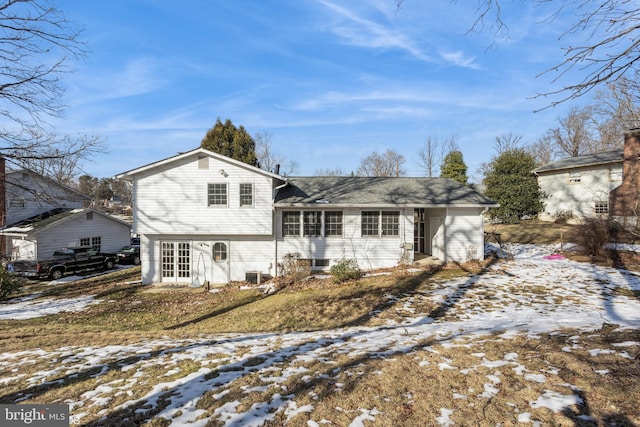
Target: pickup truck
{"x":63,"y":262}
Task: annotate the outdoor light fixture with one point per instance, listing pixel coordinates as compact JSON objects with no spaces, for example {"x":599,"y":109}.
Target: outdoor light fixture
{"x":223,"y":173}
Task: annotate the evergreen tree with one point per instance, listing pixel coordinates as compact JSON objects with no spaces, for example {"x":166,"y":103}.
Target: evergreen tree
{"x":231,"y":141}
{"x":511,"y":183}
{"x":454,"y":167}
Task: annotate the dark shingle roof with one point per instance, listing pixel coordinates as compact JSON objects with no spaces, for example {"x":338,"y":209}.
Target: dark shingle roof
{"x":379,"y":191}
{"x":582,"y":161}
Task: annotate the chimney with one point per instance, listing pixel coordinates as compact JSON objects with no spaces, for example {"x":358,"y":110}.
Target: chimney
{"x":3,"y":194}
{"x":624,"y":201}
{"x":277,"y":169}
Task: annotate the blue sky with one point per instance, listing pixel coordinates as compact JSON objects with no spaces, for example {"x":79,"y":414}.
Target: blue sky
{"x":331,"y":83}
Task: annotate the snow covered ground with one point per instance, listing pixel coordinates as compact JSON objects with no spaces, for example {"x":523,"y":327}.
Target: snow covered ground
{"x":533,"y":293}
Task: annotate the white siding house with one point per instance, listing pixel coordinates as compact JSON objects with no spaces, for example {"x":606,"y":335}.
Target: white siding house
{"x":40,"y":236}
{"x":28,"y":194}
{"x":580,"y":185}
{"x":206,"y":218}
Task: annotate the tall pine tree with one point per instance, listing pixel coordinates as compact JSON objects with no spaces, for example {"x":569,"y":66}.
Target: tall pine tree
{"x":511,"y":183}
{"x":231,"y":141}
{"x":454,"y":167}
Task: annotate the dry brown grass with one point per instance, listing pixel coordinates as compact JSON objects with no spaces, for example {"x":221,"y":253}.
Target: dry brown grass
{"x":534,"y":232}
{"x":405,"y":389}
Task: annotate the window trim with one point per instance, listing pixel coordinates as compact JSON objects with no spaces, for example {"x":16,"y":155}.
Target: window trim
{"x":380,"y":224}
{"x":312,"y":229}
{"x":328,"y":225}
{"x":615,"y":174}
{"x":575,"y":177}
{"x":372,"y":228}
{"x":241,"y":194}
{"x":213,"y":185}
{"x":601,"y":207}
{"x":288,"y":227}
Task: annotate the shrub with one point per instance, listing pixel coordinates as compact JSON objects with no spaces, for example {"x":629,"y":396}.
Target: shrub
{"x":345,"y":269}
{"x":594,"y":233}
{"x":294,"y":268}
{"x":562,"y":216}
{"x":9,"y":283}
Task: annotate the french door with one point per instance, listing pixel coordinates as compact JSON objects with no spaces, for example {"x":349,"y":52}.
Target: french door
{"x":175,"y":261}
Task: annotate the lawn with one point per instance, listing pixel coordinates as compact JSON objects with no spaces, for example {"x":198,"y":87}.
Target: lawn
{"x":520,"y":341}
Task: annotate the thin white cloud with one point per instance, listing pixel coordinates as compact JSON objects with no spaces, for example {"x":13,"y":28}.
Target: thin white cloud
{"x":459,"y":59}
{"x":363,"y":32}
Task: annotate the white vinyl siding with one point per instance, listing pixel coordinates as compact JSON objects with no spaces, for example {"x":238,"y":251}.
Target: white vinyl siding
{"x":109,"y":233}
{"x":579,"y":197}
{"x":244,"y":254}
{"x":464,"y":239}
{"x":370,"y":252}
{"x":173,"y":199}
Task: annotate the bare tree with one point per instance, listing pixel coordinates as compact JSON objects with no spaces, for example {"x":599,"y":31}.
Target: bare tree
{"x":389,"y":163}
{"x":502,"y":144}
{"x":610,"y":53}
{"x":433,"y":152}
{"x":542,"y":150}
{"x":36,"y":44}
{"x":62,"y":161}
{"x":267,"y":159}
{"x":618,"y":111}
{"x":574,"y":136}
{"x":507,"y":142}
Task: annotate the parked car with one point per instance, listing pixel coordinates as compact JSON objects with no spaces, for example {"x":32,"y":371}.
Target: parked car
{"x":63,"y":262}
{"x":129,"y":254}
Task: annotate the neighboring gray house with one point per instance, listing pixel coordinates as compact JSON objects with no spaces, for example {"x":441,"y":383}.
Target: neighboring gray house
{"x":205,"y":218}
{"x":39,"y":236}
{"x":580,"y":185}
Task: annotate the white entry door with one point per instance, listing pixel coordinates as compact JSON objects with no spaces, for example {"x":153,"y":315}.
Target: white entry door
{"x":220,"y":267}
{"x":436,"y":237}
{"x":175,"y":261}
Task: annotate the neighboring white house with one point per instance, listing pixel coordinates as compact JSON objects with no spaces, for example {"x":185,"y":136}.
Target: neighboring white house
{"x":40,"y":236}
{"x":28,"y":194}
{"x":205,"y":218}
{"x":580,"y":185}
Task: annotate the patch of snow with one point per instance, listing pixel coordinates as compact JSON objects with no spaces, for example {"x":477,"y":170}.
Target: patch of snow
{"x":28,"y":309}
{"x":444,"y":420}
{"x":555,"y":401}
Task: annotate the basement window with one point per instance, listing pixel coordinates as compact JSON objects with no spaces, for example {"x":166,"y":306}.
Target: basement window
{"x":601,"y":207}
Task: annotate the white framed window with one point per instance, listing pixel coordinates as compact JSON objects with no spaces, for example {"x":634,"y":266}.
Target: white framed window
{"x":290,"y":223}
{"x":94,"y":242}
{"x":217,"y":194}
{"x":380,"y":223}
{"x":615,"y":173}
{"x":390,"y":223}
{"x":574,"y":177}
{"x":312,"y":223}
{"x":332,"y":223}
{"x":246,"y":195}
{"x":601,"y":207}
{"x":370,"y":223}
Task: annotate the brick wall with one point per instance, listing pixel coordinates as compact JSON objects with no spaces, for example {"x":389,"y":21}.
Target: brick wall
{"x":624,"y":201}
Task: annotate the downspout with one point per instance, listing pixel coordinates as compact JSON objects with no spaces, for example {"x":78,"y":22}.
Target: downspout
{"x":275,"y":227}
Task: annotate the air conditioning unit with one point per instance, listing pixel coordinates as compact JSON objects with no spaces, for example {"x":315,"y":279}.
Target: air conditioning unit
{"x":253,"y":277}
